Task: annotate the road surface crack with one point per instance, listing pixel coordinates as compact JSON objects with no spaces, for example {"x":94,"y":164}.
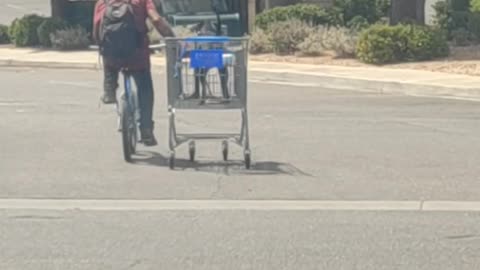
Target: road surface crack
{"x":218,"y":187}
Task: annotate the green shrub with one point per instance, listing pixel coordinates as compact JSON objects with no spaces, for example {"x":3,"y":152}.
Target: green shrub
{"x":313,"y":43}
{"x":25,"y":30}
{"x":458,"y":19}
{"x":335,"y":16}
{"x":310,"y":13}
{"x":369,"y":9}
{"x":475,"y":5}
{"x":341,"y":40}
{"x":425,"y":43}
{"x":383,"y":8}
{"x":386,"y":44}
{"x":80,"y":13}
{"x":454,"y":18}
{"x":4,"y":38}
{"x":286,"y":36}
{"x":380,"y":44}
{"x":12,"y":29}
{"x":460,"y":5}
{"x":474,"y":25}
{"x":73,"y":38}
{"x":49,"y":26}
{"x":384,"y":21}
{"x":260,"y":42}
{"x":461,"y":37}
{"x":358,"y":23}
{"x":442,"y":14}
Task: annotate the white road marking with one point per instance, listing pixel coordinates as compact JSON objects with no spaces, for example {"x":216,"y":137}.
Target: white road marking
{"x":259,"y":205}
{"x":15,"y":7}
{"x":76,"y":84}
{"x":474,"y":99}
{"x":451,"y":206}
{"x":16,"y":104}
{"x":284,"y":83}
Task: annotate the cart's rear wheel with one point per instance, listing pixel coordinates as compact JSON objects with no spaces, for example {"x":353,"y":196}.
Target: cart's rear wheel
{"x":225,"y":150}
{"x":191,"y":150}
{"x":247,"y":160}
{"x":171,"y":161}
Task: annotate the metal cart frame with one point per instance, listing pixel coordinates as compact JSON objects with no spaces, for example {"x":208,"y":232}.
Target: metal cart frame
{"x":192,"y":86}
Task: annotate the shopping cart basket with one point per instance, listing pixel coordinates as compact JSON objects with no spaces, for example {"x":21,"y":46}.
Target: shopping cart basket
{"x":207,"y":73}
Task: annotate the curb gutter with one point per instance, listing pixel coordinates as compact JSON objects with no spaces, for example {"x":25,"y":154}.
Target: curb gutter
{"x":322,"y":80}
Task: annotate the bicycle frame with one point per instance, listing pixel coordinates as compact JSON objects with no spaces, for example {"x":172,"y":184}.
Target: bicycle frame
{"x":128,"y":116}
{"x":129,"y":95}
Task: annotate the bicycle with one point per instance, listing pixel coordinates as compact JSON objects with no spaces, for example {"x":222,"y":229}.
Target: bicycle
{"x":128,"y":111}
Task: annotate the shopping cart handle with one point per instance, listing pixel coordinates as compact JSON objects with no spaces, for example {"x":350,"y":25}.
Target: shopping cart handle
{"x":156,"y":47}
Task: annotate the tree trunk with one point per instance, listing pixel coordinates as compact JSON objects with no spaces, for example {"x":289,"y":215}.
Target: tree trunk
{"x":58,"y":8}
{"x":421,"y":11}
{"x":408,"y":10}
{"x":252,"y":10}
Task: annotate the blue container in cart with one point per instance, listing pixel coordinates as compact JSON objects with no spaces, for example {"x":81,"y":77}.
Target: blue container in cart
{"x":206,"y":59}
{"x":207,"y":73}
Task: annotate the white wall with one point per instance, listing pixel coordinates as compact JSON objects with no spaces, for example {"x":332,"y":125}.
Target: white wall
{"x":429,"y":11}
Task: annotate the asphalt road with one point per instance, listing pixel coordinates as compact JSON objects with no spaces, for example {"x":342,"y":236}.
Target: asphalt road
{"x":12,"y":9}
{"x":308,"y":144}
{"x":238,"y":240}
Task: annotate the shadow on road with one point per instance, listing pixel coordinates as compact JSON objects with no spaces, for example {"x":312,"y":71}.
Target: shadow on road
{"x":231,"y":167}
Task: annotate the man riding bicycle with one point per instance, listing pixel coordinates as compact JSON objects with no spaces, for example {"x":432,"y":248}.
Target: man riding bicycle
{"x":120,"y":29}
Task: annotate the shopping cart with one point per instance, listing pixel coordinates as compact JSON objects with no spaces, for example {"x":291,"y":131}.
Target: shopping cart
{"x":207,"y":73}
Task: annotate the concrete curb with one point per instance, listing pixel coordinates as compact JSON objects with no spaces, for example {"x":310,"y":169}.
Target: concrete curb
{"x":322,"y":80}
{"x":398,"y":88}
{"x":53,"y":65}
{"x":388,"y":87}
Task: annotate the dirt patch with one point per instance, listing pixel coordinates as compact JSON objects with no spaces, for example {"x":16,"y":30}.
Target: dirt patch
{"x":463,"y":60}
{"x":328,"y":59}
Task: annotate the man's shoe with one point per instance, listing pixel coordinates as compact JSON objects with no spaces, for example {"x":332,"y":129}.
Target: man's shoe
{"x":109,"y":98}
{"x":148,"y":138}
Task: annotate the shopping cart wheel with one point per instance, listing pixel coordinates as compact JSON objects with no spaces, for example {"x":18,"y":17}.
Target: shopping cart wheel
{"x":191,"y":150}
{"x":171,"y":161}
{"x":225,"y":150}
{"x":247,"y":160}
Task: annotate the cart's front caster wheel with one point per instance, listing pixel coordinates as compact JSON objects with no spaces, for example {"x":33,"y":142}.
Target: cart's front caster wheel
{"x":225,"y":150}
{"x":248,"y":160}
{"x":191,"y":151}
{"x":171,"y":161}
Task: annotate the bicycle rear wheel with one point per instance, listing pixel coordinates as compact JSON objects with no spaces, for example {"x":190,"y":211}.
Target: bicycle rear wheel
{"x":129,"y":131}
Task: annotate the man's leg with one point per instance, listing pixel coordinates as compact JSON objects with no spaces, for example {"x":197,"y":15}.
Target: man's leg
{"x":143,"y":80}
{"x":110,"y":84}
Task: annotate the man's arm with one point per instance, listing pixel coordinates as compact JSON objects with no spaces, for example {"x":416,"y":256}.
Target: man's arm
{"x":158,"y":22}
{"x":96,"y":33}
{"x":96,"y":23}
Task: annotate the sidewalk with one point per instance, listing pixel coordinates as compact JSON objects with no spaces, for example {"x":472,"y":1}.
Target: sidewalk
{"x":373,"y":79}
